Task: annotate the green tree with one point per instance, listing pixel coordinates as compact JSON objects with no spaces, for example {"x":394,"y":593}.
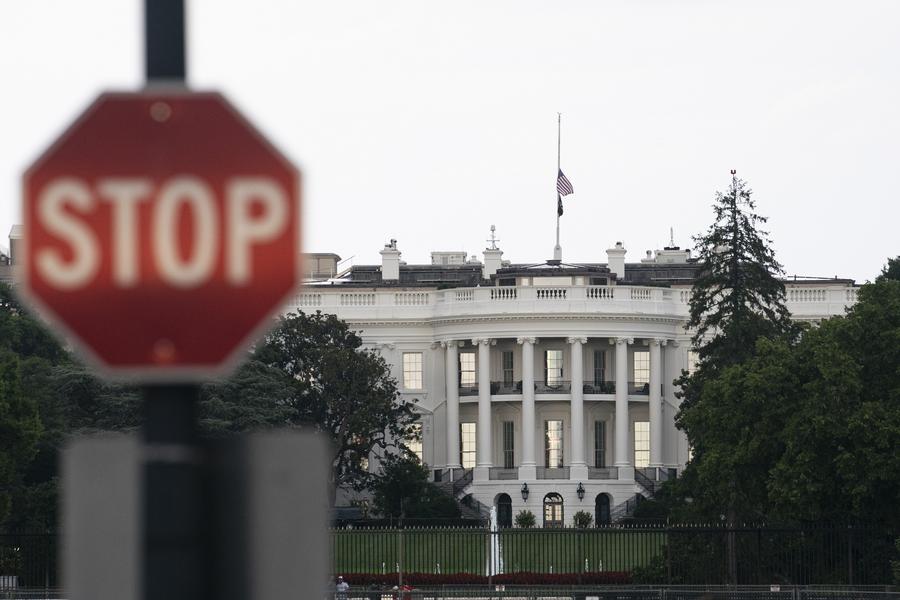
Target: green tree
{"x":737,"y":300}
{"x":840,"y":435}
{"x":337,"y":387}
{"x":403,"y":489}
{"x":891,"y":270}
{"x":737,"y":294}
{"x":20,"y":429}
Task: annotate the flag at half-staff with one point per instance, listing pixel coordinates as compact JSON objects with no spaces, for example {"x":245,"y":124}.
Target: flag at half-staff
{"x":563,"y":188}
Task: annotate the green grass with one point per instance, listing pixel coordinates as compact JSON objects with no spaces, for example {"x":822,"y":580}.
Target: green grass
{"x":466,"y":551}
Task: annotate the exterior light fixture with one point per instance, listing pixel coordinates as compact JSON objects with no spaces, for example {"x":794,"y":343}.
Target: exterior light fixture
{"x":525,"y":492}
{"x":580,"y":491}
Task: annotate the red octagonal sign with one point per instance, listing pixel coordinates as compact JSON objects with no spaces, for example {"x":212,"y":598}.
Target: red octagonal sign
{"x":161,"y":232}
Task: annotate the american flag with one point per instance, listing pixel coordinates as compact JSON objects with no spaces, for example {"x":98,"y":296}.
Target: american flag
{"x":563,"y":185}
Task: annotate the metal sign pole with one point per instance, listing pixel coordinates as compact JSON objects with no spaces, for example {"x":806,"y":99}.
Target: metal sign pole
{"x":164,"y":37}
{"x":176,"y":519}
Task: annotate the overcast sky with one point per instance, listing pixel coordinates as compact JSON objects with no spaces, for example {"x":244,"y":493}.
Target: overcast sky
{"x":429,"y":122}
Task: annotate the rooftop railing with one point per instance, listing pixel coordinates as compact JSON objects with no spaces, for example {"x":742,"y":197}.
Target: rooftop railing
{"x":810,"y":302}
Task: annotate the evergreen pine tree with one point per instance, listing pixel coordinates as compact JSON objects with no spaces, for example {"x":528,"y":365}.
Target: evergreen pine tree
{"x":737,"y":300}
{"x":737,"y":296}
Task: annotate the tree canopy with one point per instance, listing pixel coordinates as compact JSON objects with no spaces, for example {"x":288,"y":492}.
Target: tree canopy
{"x":309,"y":372}
{"x":807,"y":427}
{"x":339,"y":388}
{"x":403,"y":489}
{"x":737,"y":294}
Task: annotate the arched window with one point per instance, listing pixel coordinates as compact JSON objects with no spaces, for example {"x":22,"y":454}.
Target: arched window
{"x":504,"y":511}
{"x":601,"y":510}
{"x":553,"y":510}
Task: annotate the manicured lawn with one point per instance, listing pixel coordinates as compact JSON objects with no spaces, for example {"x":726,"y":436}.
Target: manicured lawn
{"x":467,"y":551}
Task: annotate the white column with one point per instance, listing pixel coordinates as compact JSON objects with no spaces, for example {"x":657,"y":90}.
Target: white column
{"x":671,"y":437}
{"x":451,"y":361}
{"x":623,"y":457}
{"x":656,"y":424}
{"x":484,"y":452}
{"x":528,"y":467}
{"x":577,"y":466}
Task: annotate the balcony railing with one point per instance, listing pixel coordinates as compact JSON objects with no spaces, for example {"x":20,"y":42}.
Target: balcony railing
{"x":641,"y":389}
{"x":600,"y":387}
{"x":603,"y":472}
{"x":556,"y":386}
{"x":553,"y":472}
{"x":499,"y":388}
{"x":502,"y":473}
{"x":468,"y":389}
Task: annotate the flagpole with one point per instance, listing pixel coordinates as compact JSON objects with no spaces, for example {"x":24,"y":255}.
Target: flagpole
{"x":557,"y":250}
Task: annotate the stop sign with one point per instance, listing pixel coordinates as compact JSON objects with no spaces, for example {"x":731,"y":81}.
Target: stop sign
{"x":161,"y":232}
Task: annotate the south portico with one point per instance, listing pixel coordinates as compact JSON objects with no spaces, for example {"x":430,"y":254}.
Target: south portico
{"x":503,"y":398}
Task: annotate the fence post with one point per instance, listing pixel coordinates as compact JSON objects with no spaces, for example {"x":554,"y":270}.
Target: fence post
{"x":850,"y":554}
{"x":400,"y":557}
{"x":668,"y":540}
{"x":490,"y":555}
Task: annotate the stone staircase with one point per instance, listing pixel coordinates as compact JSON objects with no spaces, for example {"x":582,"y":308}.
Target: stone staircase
{"x":650,"y":480}
{"x":458,"y":489}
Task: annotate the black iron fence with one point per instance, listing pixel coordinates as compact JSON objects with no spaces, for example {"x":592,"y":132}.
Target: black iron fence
{"x":661,"y":555}
{"x":28,"y":560}
{"x":613,"y":555}
{"x":501,"y":592}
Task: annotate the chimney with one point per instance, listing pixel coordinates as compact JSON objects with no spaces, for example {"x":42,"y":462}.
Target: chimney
{"x":616,"y":260}
{"x":493,"y":260}
{"x":15,"y":238}
{"x":390,"y":262}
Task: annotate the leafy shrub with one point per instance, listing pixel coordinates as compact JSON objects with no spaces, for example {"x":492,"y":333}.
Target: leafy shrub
{"x":583,"y":519}
{"x":525,"y":519}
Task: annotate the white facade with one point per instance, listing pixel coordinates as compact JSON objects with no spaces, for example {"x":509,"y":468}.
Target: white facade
{"x":522,"y":362}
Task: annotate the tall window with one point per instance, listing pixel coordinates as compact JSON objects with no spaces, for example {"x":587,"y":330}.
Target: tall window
{"x":466,"y":369}
{"x":509,"y":451}
{"x":415,"y":441}
{"x":553,"y":510}
{"x":467,"y":445}
{"x":641,"y":444}
{"x":412,"y":370}
{"x":642,"y":366}
{"x":553,"y":444}
{"x":599,"y":367}
{"x":600,"y":444}
{"x":553,"y":367}
{"x":508,"y":374}
{"x":693,"y":361}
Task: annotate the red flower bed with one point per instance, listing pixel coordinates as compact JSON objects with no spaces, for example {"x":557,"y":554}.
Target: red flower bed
{"x":524,"y":578}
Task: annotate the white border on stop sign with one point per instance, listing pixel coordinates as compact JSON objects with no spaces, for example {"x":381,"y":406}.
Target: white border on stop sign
{"x":166,"y":374}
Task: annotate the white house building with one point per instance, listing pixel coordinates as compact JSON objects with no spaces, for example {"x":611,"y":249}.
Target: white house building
{"x":546,"y":387}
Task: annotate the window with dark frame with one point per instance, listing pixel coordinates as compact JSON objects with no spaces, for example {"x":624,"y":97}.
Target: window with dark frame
{"x":508,"y":372}
{"x":509,"y":452}
{"x":599,"y":367}
{"x":600,"y":444}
